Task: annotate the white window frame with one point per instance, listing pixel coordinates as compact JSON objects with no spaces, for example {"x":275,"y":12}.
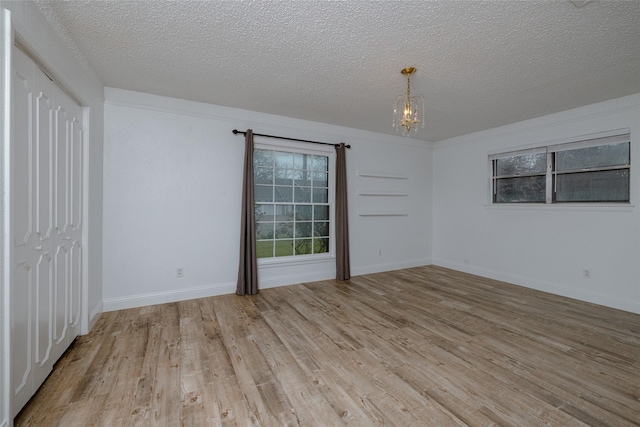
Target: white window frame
{"x":306,"y":148}
{"x":585,"y":141}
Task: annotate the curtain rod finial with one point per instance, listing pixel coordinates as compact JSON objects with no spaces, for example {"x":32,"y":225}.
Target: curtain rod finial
{"x":235,"y":131}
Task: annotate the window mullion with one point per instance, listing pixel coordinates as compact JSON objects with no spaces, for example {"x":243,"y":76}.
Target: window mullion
{"x":549,"y":188}
{"x":290,"y":198}
{"x":524,"y":175}
{"x":493,"y":180}
{"x":596,"y":170}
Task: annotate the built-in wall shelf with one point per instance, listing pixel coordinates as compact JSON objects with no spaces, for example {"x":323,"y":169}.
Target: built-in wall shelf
{"x":382,"y":213}
{"x":382,"y":193}
{"x":381,"y":175}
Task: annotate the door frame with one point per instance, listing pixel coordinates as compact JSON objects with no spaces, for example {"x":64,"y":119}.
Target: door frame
{"x":6,"y":49}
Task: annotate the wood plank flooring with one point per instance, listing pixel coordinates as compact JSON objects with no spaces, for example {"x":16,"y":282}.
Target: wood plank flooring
{"x":424,"y":346}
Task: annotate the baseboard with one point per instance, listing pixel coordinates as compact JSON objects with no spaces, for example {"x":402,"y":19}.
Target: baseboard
{"x":95,"y":314}
{"x":141,"y":300}
{"x":379,"y":268}
{"x":552,"y":288}
{"x":293,"y":279}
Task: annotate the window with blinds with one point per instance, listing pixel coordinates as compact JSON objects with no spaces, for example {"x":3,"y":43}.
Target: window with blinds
{"x":592,"y":170}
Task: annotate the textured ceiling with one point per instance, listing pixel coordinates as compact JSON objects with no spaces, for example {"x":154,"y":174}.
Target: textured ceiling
{"x":480,"y":64}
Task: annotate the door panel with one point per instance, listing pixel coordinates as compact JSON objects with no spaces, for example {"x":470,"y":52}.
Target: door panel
{"x":60,"y":295}
{"x":68,"y":184}
{"x":22,"y":338}
{"x":44,"y":122}
{"x":61,"y":158}
{"x":76,"y":285}
{"x":23,"y":256}
{"x":43,"y":306}
{"x":22,"y":149}
{"x":76,"y":173}
{"x":44,"y":302}
{"x":46,"y":209}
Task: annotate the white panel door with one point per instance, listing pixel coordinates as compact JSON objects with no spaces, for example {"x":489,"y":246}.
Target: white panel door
{"x":45,"y":217}
{"x":42,"y":243}
{"x":25,"y":252}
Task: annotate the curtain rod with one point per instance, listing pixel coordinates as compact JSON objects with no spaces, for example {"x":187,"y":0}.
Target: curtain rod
{"x":236,"y":131}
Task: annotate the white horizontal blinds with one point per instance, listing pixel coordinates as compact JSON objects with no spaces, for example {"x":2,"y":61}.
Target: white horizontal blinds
{"x":610,"y":140}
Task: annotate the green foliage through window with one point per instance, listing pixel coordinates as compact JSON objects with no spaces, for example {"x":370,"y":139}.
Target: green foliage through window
{"x":292,"y":203}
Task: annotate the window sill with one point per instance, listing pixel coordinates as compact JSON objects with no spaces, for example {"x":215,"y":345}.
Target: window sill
{"x":582,"y":207}
{"x":293,"y":261}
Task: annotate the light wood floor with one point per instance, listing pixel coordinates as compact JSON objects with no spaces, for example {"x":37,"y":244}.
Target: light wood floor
{"x":418,"y":347}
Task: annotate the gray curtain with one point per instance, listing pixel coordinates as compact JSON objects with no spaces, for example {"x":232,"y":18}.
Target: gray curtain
{"x":248,"y":269}
{"x":343,"y":268}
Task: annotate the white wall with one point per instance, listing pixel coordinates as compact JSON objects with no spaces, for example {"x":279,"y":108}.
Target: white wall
{"x":172,"y":183}
{"x":541,"y":247}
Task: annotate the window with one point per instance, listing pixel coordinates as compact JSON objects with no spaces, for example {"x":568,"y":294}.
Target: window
{"x":591,"y":170}
{"x":292,"y":203}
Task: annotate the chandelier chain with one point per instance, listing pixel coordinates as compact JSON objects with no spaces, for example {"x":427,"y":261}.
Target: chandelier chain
{"x":409,"y":91}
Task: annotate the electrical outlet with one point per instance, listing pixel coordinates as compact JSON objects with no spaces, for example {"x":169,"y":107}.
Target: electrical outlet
{"x":179,"y":272}
{"x":586,"y":273}
{"x":379,"y":252}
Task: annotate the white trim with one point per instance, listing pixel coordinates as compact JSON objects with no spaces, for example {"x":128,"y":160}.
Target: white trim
{"x":264,"y":123}
{"x":295,"y":279}
{"x":539,"y":285}
{"x":86,"y":322}
{"x":391,"y":266}
{"x":591,"y":142}
{"x":289,"y":261}
{"x":590,"y":136}
{"x":542,"y":145}
{"x":291,"y":146}
{"x":515,"y":152}
{"x":153,"y":298}
{"x":6,"y":38}
{"x":94,"y":314}
{"x":142,"y":300}
{"x":309,"y":149}
{"x":577,"y":207}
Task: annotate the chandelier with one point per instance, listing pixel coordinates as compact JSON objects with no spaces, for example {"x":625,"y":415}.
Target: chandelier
{"x":405,"y":111}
